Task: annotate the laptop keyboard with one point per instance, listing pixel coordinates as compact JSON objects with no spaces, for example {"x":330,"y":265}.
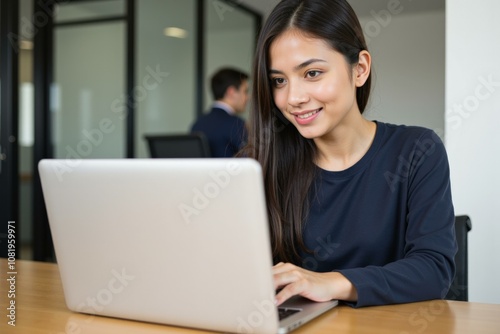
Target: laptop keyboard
{"x":286,"y":312}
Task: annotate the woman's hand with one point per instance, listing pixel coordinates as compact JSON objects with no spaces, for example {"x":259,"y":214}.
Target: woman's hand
{"x":320,"y":287}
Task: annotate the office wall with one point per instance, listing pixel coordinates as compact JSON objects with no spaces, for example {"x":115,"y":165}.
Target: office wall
{"x":408,"y":51}
{"x":473,"y":136}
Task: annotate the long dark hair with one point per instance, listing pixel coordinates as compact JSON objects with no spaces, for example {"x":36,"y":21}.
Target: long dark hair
{"x":286,"y":157}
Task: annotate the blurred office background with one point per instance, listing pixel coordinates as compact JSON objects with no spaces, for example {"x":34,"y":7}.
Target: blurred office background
{"x":105,"y":78}
{"x":88,"y":79}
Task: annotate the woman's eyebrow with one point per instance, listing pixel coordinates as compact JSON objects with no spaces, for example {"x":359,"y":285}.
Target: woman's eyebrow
{"x":300,"y":66}
{"x":307,"y":63}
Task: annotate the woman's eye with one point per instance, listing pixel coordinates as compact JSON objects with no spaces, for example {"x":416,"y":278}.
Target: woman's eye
{"x":313,"y":74}
{"x":278,"y":81}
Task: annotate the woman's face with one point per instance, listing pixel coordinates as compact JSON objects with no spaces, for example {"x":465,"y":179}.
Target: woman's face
{"x":313,"y":85}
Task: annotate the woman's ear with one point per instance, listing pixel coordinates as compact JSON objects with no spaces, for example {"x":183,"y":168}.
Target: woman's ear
{"x":362,"y":68}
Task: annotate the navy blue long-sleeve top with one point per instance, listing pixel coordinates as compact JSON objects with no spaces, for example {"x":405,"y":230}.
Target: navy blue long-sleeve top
{"x":387,"y":222}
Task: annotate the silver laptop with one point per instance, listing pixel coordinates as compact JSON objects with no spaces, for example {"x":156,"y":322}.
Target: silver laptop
{"x":182,"y":242}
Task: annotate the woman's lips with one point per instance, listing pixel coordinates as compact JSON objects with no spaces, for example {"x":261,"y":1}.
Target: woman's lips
{"x":308,"y":117}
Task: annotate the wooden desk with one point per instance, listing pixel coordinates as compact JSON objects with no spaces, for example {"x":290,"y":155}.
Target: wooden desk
{"x":40,"y":308}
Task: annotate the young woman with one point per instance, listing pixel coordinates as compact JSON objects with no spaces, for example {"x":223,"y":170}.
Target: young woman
{"x":360,"y":210}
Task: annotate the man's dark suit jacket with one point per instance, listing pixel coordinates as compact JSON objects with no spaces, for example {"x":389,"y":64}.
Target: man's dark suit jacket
{"x":226,"y":133}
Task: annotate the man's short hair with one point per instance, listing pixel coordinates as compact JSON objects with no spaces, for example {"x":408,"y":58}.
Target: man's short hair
{"x":225,"y":78}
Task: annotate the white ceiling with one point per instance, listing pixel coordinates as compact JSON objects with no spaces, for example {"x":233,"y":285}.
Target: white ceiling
{"x":362,"y":7}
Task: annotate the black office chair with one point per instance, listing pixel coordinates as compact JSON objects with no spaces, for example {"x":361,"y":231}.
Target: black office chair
{"x":459,"y":289}
{"x":192,"y":145}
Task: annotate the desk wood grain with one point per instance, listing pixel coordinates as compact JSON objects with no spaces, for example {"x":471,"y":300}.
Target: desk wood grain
{"x":40,"y":308}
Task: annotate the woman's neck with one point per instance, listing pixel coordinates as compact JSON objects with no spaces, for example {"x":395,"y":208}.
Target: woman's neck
{"x":345,"y":145}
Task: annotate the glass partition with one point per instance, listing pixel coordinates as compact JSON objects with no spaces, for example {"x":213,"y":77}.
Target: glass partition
{"x":26,"y":129}
{"x":1,"y":151}
{"x":167,"y":45}
{"x":90,"y":10}
{"x":229,"y":40}
{"x":88,"y":103}
{"x":166,"y":68}
{"x":9,"y":189}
